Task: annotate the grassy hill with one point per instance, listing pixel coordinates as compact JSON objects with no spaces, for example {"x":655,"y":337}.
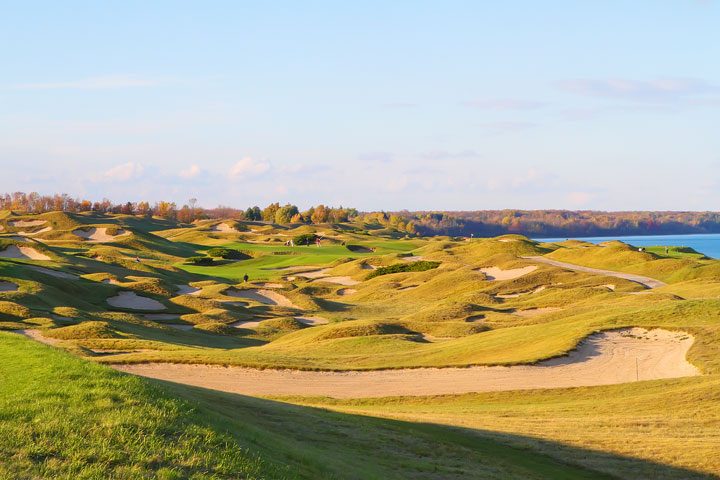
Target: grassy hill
{"x":134,"y":298}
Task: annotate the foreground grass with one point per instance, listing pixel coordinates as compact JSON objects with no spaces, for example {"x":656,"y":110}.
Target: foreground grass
{"x":66,"y":418}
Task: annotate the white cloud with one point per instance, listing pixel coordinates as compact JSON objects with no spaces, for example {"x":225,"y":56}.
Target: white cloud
{"x":249,"y":167}
{"x":94,"y":83}
{"x":124,"y":172}
{"x":662,"y":89}
{"x":191,"y":172}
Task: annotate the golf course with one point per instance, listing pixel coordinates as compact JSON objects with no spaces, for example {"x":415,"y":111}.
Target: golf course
{"x":139,"y":347}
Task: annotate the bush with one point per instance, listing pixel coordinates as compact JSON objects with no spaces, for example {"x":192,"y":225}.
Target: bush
{"x":227,"y":254}
{"x":305,"y":239}
{"x":205,"y":261}
{"x":420,"y":266}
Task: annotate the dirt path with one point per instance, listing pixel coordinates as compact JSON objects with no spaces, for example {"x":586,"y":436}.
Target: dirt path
{"x":601,"y":359}
{"x":647,"y":281}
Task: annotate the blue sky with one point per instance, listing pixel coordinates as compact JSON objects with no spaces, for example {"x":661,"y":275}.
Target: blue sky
{"x":611,"y":105}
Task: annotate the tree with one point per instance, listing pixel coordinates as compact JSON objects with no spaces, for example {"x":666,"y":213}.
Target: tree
{"x":268,"y":213}
{"x":320,"y":214}
{"x":284,"y":214}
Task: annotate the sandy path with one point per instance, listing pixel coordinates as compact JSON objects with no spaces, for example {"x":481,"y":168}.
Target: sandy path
{"x":8,"y":287}
{"x":267,"y":297}
{"x":647,"y":281}
{"x":134,"y":301}
{"x":498,"y":274}
{"x":601,"y":359}
{"x":13,"y":251}
{"x":99,"y":235}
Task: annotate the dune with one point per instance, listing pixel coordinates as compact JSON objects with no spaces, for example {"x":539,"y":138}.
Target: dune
{"x":606,"y":358}
{"x":498,"y":274}
{"x":267,"y":297}
{"x":14,"y":251}
{"x":8,"y":286}
{"x":133,"y":301}
{"x":99,"y":235}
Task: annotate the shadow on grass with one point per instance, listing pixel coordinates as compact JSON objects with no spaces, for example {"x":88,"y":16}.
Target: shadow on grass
{"x":319,"y":443}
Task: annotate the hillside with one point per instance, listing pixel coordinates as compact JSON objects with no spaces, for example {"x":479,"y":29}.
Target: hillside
{"x":472,"y":337}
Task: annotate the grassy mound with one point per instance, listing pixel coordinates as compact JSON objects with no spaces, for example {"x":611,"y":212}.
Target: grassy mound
{"x":420,"y":266}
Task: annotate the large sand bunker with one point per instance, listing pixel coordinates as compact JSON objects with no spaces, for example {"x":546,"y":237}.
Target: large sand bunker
{"x":601,"y":359}
{"x":647,"y":281}
{"x":222,"y":227}
{"x":345,"y":281}
{"x":496,"y":273}
{"x":267,"y":297}
{"x":187,"y":290}
{"x":13,"y":251}
{"x":27,"y":223}
{"x":99,"y":235}
{"x":133,"y":301}
{"x":8,"y":286}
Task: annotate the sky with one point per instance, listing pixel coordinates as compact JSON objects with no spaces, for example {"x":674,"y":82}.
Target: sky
{"x":419,"y":105}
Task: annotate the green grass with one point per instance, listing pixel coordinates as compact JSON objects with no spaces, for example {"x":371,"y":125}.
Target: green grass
{"x":91,"y":422}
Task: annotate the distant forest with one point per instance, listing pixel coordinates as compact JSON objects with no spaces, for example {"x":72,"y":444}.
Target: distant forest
{"x":561,"y":223}
{"x":481,"y":223}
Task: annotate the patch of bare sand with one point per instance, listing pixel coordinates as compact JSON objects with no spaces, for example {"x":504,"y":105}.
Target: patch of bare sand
{"x":8,"y":286}
{"x":99,"y":235}
{"x":498,"y":274}
{"x":26,"y":223}
{"x":346,"y":291}
{"x":313,"y":274}
{"x":267,"y":297}
{"x":601,"y":359}
{"x":507,"y":240}
{"x":246,"y":323}
{"x":412,"y":258}
{"x":223,"y":227}
{"x":133,"y":301}
{"x":269,"y":285}
{"x":311,"y":321}
{"x":13,"y":251}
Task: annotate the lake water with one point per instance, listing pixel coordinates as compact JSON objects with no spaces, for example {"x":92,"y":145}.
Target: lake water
{"x":707,"y":243}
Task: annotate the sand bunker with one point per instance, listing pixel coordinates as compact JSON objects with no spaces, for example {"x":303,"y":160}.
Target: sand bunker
{"x":601,"y":359}
{"x":222,"y":227}
{"x":269,"y":285}
{"x":8,"y":287}
{"x":346,"y":291}
{"x":267,"y":297}
{"x":246,"y":323}
{"x":99,"y":235}
{"x":647,"y":281}
{"x":161,"y":316}
{"x":312,"y":274}
{"x":412,"y":258}
{"x":133,"y":301}
{"x":14,"y":251}
{"x":312,"y":320}
{"x":54,"y":273}
{"x":42,"y":230}
{"x":187,"y":290}
{"x":498,"y":274}
{"x":27,"y":223}
{"x":346,"y":281}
